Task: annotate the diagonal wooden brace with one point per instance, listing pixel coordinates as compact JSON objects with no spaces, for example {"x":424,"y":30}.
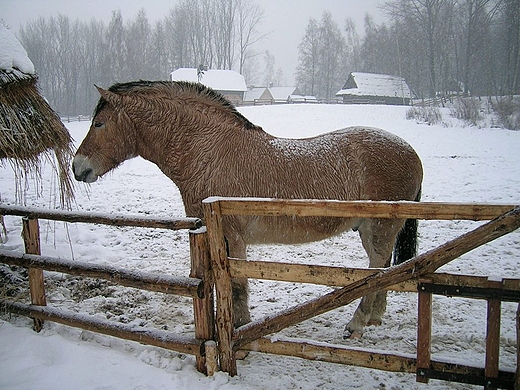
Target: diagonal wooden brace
{"x":417,"y":267}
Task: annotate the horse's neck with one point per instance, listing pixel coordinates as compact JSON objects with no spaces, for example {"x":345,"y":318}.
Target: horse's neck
{"x":193,"y":139}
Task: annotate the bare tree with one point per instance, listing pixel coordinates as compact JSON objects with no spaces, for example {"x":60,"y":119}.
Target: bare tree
{"x":431,"y":20}
{"x":138,"y":36}
{"x":332,"y":54}
{"x":477,"y":16}
{"x":510,"y":38}
{"x":249,"y":17}
{"x":308,"y":59}
{"x":321,"y":70}
{"x":116,"y":45}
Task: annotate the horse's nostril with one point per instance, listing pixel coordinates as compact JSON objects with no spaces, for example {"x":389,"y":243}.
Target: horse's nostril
{"x":83,"y":175}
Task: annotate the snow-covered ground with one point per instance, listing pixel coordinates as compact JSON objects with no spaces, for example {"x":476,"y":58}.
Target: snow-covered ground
{"x":461,"y":164}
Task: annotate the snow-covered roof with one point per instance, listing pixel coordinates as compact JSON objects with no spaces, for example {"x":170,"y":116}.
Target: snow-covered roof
{"x":371,"y":84}
{"x":219,"y":80}
{"x":12,"y":54}
{"x":283,"y":93}
{"x":258,"y":93}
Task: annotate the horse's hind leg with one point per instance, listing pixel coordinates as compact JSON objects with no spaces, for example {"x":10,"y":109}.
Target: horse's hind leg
{"x":378,"y":237}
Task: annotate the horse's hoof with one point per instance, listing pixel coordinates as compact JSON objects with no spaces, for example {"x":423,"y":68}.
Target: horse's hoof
{"x":348,"y":335}
{"x":241,"y":354}
{"x":375,"y":322}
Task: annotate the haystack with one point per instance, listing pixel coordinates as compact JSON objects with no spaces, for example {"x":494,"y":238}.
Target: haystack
{"x":31,"y":133}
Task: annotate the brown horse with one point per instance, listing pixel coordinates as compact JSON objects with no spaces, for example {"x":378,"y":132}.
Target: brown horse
{"x":208,"y":148}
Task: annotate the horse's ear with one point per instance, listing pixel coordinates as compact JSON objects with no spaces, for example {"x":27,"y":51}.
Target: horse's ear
{"x":111,"y":97}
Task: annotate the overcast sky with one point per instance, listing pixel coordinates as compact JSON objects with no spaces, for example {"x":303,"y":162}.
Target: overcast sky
{"x":286,"y":20}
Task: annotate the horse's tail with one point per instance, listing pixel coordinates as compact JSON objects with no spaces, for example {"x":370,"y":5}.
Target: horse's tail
{"x":406,"y":243}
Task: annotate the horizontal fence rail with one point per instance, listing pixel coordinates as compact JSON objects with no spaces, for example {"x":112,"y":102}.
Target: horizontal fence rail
{"x":153,"y":337}
{"x":342,"y":276}
{"x":331,"y":353}
{"x":104,"y":219}
{"x":188,"y":287}
{"x":359,"y":209}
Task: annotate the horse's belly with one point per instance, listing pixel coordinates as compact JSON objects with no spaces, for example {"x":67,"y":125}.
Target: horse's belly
{"x":294,"y":230}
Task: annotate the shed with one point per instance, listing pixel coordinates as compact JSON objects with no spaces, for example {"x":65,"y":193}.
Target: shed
{"x":30,"y":130}
{"x":229,"y":83}
{"x":283,"y":94}
{"x":371,"y":88}
{"x":258,"y":96}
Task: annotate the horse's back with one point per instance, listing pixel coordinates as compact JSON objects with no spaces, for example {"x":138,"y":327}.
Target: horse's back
{"x":355,"y":163}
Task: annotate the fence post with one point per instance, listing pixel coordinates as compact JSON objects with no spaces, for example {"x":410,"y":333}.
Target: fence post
{"x":517,"y":377}
{"x":424,"y":333}
{"x":222,"y":277}
{"x":31,"y":237}
{"x":203,"y":304}
{"x":211,"y":357}
{"x":492,"y":337}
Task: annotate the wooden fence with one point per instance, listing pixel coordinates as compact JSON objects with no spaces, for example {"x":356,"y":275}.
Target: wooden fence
{"x":357,"y":283}
{"x":198,"y":286}
{"x":209,"y":246}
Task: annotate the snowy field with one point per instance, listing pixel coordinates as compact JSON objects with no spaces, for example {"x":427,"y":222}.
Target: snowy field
{"x":461,"y":164}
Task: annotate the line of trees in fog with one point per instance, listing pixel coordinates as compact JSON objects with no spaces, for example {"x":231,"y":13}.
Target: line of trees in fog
{"x":71,"y":55}
{"x":436,"y":45}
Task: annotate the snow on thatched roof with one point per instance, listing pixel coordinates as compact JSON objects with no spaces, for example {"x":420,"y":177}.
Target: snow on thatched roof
{"x":371,"y":84}
{"x":29,"y":128}
{"x":219,"y":80}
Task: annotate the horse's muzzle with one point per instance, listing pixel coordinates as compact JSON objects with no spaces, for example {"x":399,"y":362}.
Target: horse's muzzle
{"x":83,"y":170}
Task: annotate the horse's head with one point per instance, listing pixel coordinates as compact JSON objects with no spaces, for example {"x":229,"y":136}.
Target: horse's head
{"x":109,"y":142}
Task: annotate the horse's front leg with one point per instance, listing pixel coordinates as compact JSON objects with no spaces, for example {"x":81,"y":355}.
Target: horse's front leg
{"x":240,"y":301}
{"x":378,"y":237}
{"x":240,"y":286}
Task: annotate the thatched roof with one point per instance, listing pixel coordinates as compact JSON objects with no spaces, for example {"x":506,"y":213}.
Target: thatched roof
{"x":30,"y":131}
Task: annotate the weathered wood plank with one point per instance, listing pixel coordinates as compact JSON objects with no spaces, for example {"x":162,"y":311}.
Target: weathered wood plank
{"x":168,"y":284}
{"x":203,"y":310}
{"x":224,"y":296}
{"x":311,"y":350}
{"x":333,"y":353}
{"x":343,"y":276}
{"x":211,"y":352}
{"x":493,"y":336}
{"x":148,"y":336}
{"x":424,"y":333}
{"x":419,"y":266}
{"x":104,"y":219}
{"x":517,"y":376}
{"x":31,"y":238}
{"x":361,"y":209}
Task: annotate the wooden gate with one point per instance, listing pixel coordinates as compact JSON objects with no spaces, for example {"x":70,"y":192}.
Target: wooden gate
{"x":358,"y":283}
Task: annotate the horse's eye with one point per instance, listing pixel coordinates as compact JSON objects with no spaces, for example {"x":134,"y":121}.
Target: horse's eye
{"x":98,"y":124}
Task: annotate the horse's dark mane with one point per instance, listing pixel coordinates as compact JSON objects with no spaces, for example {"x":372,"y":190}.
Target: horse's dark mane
{"x":175,"y":87}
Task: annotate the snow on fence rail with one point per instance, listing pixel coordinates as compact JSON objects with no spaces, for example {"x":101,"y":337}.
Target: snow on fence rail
{"x":357,"y":283}
{"x":198,"y":286}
